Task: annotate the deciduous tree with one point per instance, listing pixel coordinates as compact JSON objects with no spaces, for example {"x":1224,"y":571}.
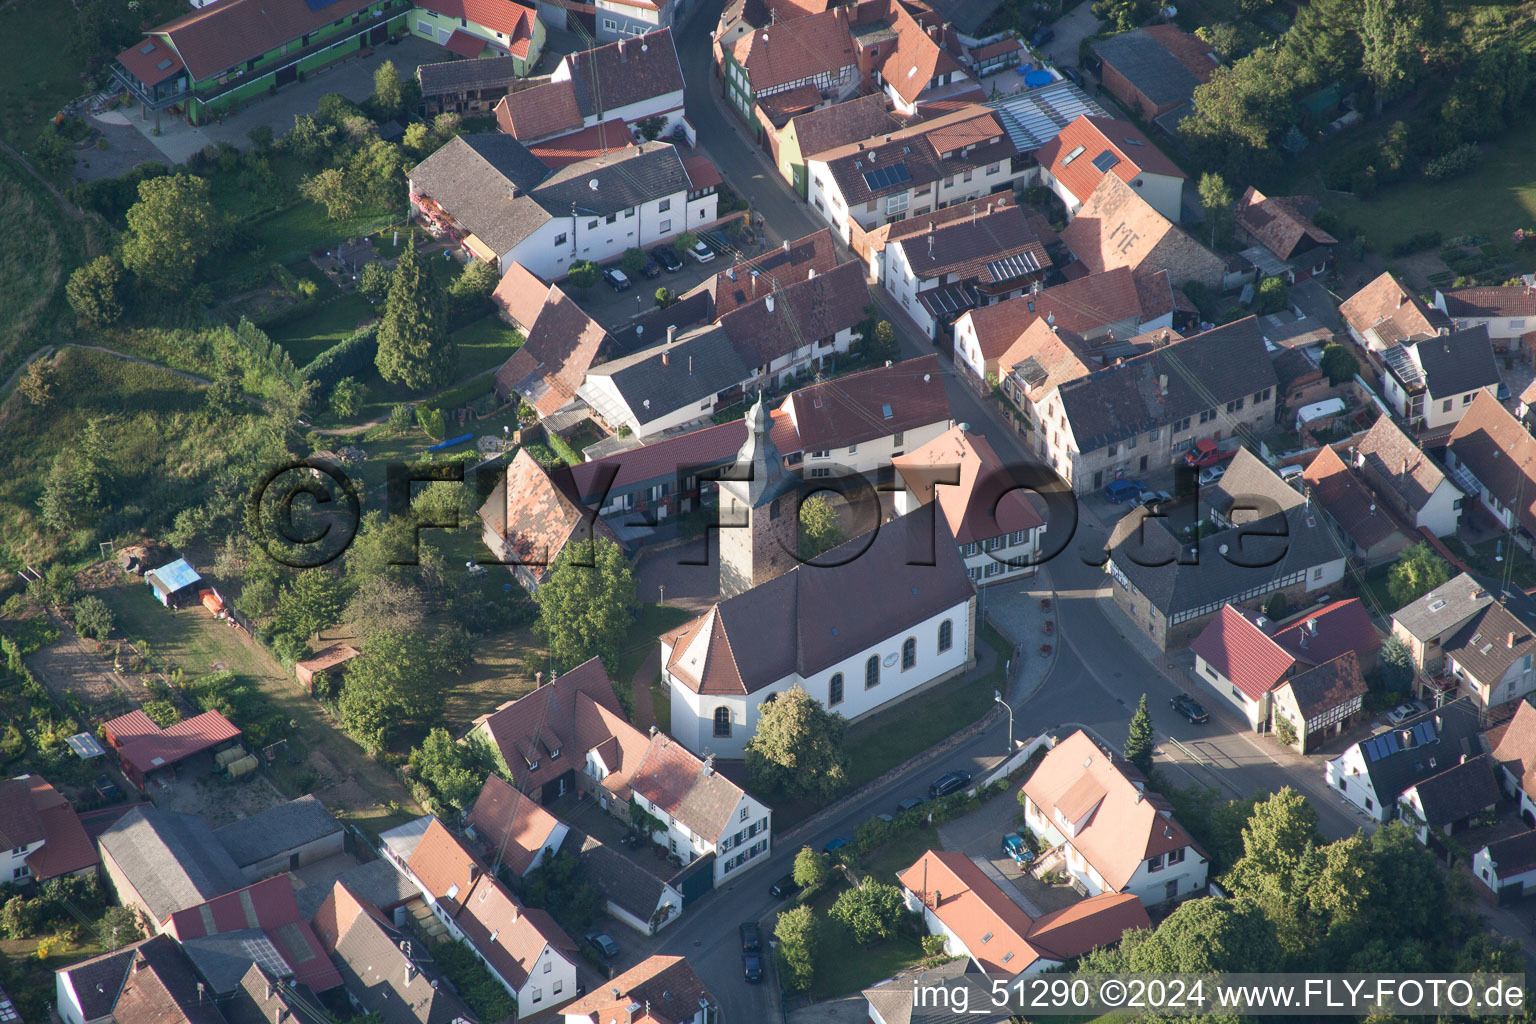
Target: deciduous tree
{"x":1339,"y":363}
{"x":414,"y":348}
{"x":92,"y":617}
{"x":1397,"y":37}
{"x":1395,"y":665}
{"x":811,"y":869}
{"x":94,"y":292}
{"x":1417,"y":571}
{"x":313,"y":600}
{"x":454,"y":772}
{"x":347,"y":396}
{"x":387,"y":94}
{"x":587,"y":604}
{"x":820,"y":528}
{"x":798,"y":748}
{"x":38,"y":381}
{"x":797,"y":940}
{"x":871,"y":912}
{"x":1216,"y":201}
{"x":171,"y":229}
{"x":399,"y":677}
{"x":582,"y":276}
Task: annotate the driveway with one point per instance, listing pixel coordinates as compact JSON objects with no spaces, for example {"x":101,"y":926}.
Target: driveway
{"x":1071,"y":29}
{"x":615,"y":309}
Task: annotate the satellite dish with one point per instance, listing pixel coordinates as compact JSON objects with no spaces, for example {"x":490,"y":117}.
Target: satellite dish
{"x":927,"y":377}
{"x":1222,"y":549}
{"x":592,"y":184}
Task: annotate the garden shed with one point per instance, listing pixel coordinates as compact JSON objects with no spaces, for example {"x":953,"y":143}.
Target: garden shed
{"x":174,"y":584}
{"x":145,"y":748}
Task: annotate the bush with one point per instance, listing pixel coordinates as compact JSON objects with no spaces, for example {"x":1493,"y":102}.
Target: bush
{"x":871,"y":912}
{"x":92,"y":617}
{"x":1418,"y":243}
{"x":350,"y":357}
{"x":1457,"y":162}
{"x":1363,"y":183}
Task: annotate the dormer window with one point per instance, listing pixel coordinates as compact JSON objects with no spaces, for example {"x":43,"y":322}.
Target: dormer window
{"x":554,"y":755}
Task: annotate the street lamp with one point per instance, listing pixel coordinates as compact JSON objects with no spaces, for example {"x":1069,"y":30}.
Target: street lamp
{"x":997,"y":695}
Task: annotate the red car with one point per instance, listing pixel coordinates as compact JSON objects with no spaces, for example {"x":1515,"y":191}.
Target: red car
{"x":1205,"y":453}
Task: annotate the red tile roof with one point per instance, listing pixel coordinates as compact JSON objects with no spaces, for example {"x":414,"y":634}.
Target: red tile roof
{"x":465,"y":44}
{"x":752,"y":278}
{"x":562,"y":346}
{"x":20,"y":823}
{"x":672,"y":778}
{"x":66,"y":847}
{"x":916,"y":58}
{"x":596,"y":141}
{"x":521,"y":295}
{"x":1500,"y":453}
{"x":1347,"y":499}
{"x":1515,"y":748}
{"x":1237,"y":649}
{"x":147,"y":749}
{"x":1071,"y":154}
{"x":1118,"y":228}
{"x":496,"y":15}
{"x":268,"y":905}
{"x":1280,"y":223}
{"x":986,"y":503}
{"x":529,"y":729}
{"x":848,"y":410}
{"x":666,"y":985}
{"x":536,"y":515}
{"x":513,"y":827}
{"x":1499,"y":301}
{"x":787,"y":52}
{"x":444,"y":866}
{"x":707,"y":447}
{"x":1392,"y":310}
{"x":151,"y":60}
{"x":539,"y":112}
{"x":701,"y":172}
{"x":1082,"y":306}
{"x":969,"y":247}
{"x":1088,"y":924}
{"x":1331,"y":631}
{"x":226,"y":33}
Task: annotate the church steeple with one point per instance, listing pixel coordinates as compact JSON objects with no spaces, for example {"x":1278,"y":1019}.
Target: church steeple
{"x":763,"y":457}
{"x":759,"y":510}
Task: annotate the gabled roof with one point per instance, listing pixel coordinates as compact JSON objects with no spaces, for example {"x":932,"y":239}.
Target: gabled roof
{"x":514,"y":828}
{"x":504,"y":16}
{"x":172,"y":860}
{"x":688,"y":789}
{"x":1201,"y":373}
{"x":1330,"y":631}
{"x":1393,"y":462}
{"x":797,"y":315}
{"x":1118,"y":228}
{"x":917,"y":56}
{"x":453,"y":76}
{"x":1420,"y":747}
{"x":483,"y":182}
{"x":1044,"y":358}
{"x":563,"y":344}
{"x":1282,"y":224}
{"x":537,"y":514}
{"x":1444,"y":608}
{"x":1321,"y":689}
{"x":269,"y":910}
{"x":812,"y":617}
{"x":1492,"y":640}
{"x":521,"y":294}
{"x":663,"y":379}
{"x":839,"y":124}
{"x":627,"y":71}
{"x":665,"y":985}
{"x":539,"y":111}
{"x":66,"y":846}
{"x":1391,"y":310}
{"x":270,"y":832}
{"x":787,"y":52}
{"x":622,"y":881}
{"x":791,"y":262}
{"x":151,"y":60}
{"x":1457,"y":362}
{"x":1512,"y":300}
{"x":1082,"y":306}
{"x":987,"y":501}
{"x":991,"y":246}
{"x":918,"y":155}
{"x":1458,"y":792}
{"x":261,"y":998}
{"x":20,"y":823}
{"x":154,"y":747}
{"x":866,"y":405}
{"x":675,"y":457}
{"x":1164,"y":63}
{"x":1516,"y":746}
{"x":892,"y":998}
{"x":445,"y":867}
{"x":510,"y":937}
{"x":1091,"y":147}
{"x":624,"y":178}
{"x":587,"y":144}
{"x":1514,"y":854}
{"x":1500,"y":453}
{"x":216,"y":38}
{"x":1238,"y":649}
{"x":526,"y":729}
{"x":1348,"y":501}
{"x":1127,"y":825}
{"x":149,"y":982}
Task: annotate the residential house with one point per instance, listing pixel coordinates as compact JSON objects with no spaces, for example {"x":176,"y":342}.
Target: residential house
{"x":617,"y":19}
{"x":1096,"y":307}
{"x":891,"y":1002}
{"x":1507,"y":866}
{"x":491,"y":195}
{"x":1508,"y":311}
{"x":515,"y":832}
{"x":631,"y":894}
{"x":475,"y":28}
{"x":1154,"y":69}
{"x":530,"y":518}
{"x":748,"y":648}
{"x":40,"y":834}
{"x":665,"y":986}
{"x":953,"y":158}
{"x":282,"y":838}
{"x":1490,"y":454}
{"x":872,"y":245}
{"x":1430,"y":382}
{"x":667,"y":387}
{"x":524,"y":949}
{"x":562,"y":344}
{"x":1273,"y":541}
{"x":1115,"y":834}
{"x":384,"y":972}
{"x":775,"y":269}
{"x":1445,"y":804}
{"x":1514,"y":752}
{"x":1373,"y":773}
{"x":810,"y":55}
{"x":1145,"y":412}
{"x":532,"y":732}
{"x":1383,"y":313}
{"x":1321,"y":702}
{"x":742,"y":16}
{"x":376,"y":881}
{"x":520,"y":297}
{"x":1427,"y":624}
{"x":1075,"y":161}
{"x":924,"y":64}
{"x":1282,"y":227}
{"x":148,"y":982}
{"x":257,"y":924}
{"x":1115,"y":227}
{"x":1033,"y":117}
{"x":629,"y":80}
{"x":979,"y":921}
{"x":144,"y":749}
{"x":1302,"y":381}
{"x":468,"y":87}
{"x":993,"y":255}
{"x":1406,"y":480}
{"x":1489,"y":658}
{"x":263,"y":998}
{"x":989,"y":509}
{"x":1043,"y":358}
{"x":208,"y":62}
{"x":785,"y":333}
{"x":827,"y":127}
{"x":593,"y":143}
{"x":1245,"y":657}
{"x":161,"y":862}
{"x":1373,"y":532}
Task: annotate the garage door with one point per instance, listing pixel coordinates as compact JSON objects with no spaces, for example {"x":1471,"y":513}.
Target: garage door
{"x":286,"y":75}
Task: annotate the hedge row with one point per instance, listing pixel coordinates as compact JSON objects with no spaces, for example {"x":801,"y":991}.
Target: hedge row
{"x":350,"y":357}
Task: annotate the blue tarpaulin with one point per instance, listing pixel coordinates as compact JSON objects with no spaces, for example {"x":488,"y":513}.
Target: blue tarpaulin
{"x":1038,"y":77}
{"x":169,"y":579}
{"x":450,"y":442}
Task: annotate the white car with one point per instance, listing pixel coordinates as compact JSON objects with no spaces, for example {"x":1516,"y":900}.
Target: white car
{"x":1210,"y":474}
{"x":1403,"y":712}
{"x":701,"y":252}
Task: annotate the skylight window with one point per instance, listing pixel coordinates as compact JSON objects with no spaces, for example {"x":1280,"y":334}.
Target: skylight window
{"x":885,"y":411}
{"x":163,"y":65}
{"x":1077,"y":151}
{"x":148,"y":47}
{"x":1007,"y":957}
{"x":986,"y":938}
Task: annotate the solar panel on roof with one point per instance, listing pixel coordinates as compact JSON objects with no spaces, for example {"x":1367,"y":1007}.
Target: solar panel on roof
{"x":1424,"y":732}
{"x":1105,"y":160}
{"x":1010,"y":267}
{"x":885,"y":177}
{"x":263,"y":953}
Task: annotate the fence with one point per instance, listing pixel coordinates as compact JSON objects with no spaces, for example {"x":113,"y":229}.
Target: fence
{"x":1022,"y":755}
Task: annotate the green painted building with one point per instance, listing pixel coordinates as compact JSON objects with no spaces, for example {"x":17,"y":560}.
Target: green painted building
{"x":211,"y":61}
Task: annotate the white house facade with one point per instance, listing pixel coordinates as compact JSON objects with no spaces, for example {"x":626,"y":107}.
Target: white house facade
{"x":552,"y":247}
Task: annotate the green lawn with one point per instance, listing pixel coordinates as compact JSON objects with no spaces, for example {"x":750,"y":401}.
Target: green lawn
{"x":1497,"y":197}
{"x":842,"y":965}
{"x":305,"y":337}
{"x":35,"y":259}
{"x":896,"y":855}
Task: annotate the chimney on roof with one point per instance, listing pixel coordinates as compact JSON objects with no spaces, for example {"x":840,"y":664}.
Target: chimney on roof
{"x":1312,"y":625}
{"x":1400,"y":298}
{"x":938,"y":899}
{"x":690,"y":366}
{"x":410,"y":972}
{"x":665,"y":361}
{"x":269,"y":988}
{"x":810,"y":274}
{"x":709,"y":765}
{"x":282,"y":1014}
{"x":671,"y":334}
{"x":623,"y":57}
{"x":538,"y":679}
{"x":1509,"y":641}
{"x":769,"y":303}
{"x":1162,"y":383}
{"x":1405,"y":466}
{"x":786,"y":246}
{"x":933,"y":31}
{"x":653,"y":733}
{"x":1463,"y":759}
{"x":989,"y":208}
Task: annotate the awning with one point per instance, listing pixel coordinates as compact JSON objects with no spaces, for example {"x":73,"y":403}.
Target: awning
{"x":464,"y":44}
{"x":479,"y":248}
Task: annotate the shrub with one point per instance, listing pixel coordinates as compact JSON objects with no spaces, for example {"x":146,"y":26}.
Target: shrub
{"x":350,"y":357}
{"x":1458,"y":161}
{"x":93,"y":617}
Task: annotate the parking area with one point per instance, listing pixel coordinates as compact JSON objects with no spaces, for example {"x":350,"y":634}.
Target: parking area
{"x":614,"y":309}
{"x":979,"y":835}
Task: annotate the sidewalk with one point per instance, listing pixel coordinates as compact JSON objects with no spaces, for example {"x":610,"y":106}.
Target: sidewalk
{"x":1014,"y":610}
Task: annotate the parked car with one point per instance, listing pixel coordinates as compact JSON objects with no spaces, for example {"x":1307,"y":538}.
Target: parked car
{"x":784,"y":888}
{"x":701,"y":252}
{"x":604,"y":944}
{"x":617,"y":279}
{"x":667,"y":256}
{"x":752,"y":967}
{"x":907,"y":804}
{"x":1015,"y":847}
{"x":948,"y":783}
{"x":1403,"y":712}
{"x":751,"y":938}
{"x":1205,"y":453}
{"x":1503,"y":394}
{"x":1190,"y":709}
{"x":1123,"y":490}
{"x":1210,"y":474}
{"x":650,"y":270}
{"x":835,"y":845}
{"x":1152,"y":499}
{"x":1043,"y":35}
{"x":1072,"y":75}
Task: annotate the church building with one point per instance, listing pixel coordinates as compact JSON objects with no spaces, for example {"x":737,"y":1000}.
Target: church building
{"x":885,"y":615}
